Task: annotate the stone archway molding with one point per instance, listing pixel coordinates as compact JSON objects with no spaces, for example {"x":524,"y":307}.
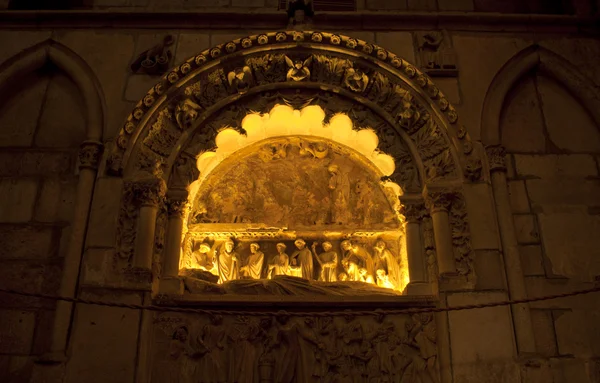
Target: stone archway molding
{"x":549,"y":63}
{"x":12,"y":71}
{"x":181,"y":113}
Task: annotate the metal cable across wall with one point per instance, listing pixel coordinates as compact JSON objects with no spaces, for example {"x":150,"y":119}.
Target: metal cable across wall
{"x":375,"y":312}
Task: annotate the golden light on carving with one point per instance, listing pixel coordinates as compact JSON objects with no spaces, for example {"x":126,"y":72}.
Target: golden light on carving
{"x":283,"y":120}
{"x":290,"y":177}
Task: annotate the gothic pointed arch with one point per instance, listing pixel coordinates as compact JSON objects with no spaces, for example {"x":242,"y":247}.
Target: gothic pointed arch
{"x":33,"y":58}
{"x":550,"y":64}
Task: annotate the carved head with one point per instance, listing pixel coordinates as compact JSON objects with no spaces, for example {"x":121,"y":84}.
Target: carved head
{"x":216,"y":319}
{"x":180,"y":333}
{"x":333,"y":169}
{"x":379,"y":245}
{"x":204,"y":248}
{"x":327,"y":246}
{"x":300,"y":244}
{"x":346,"y":245}
{"x":343,"y":277}
{"x":254,"y":247}
{"x":281,"y":247}
{"x":229,"y":245}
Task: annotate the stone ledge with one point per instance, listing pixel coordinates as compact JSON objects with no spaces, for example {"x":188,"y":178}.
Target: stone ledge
{"x":278,"y":20}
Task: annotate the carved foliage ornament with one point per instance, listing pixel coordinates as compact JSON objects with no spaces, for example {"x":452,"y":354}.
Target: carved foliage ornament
{"x":266,"y":68}
{"x":497,"y":158}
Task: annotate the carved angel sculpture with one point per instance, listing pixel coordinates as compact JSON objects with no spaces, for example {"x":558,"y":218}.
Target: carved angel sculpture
{"x":298,"y":70}
{"x":241,"y":79}
{"x":186,"y":113}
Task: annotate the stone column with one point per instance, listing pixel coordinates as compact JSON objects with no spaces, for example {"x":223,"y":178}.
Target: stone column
{"x":178,"y":206}
{"x":438,"y":203}
{"x":512,"y":259}
{"x":89,"y":158}
{"x":149,"y":191}
{"x":414,"y":212}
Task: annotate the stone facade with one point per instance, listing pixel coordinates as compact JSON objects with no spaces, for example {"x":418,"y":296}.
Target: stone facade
{"x":521,"y":207}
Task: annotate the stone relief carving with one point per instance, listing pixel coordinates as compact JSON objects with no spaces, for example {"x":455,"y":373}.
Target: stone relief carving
{"x":155,"y":60}
{"x":364,"y":258}
{"x":89,"y":154}
{"x":298,"y":70}
{"x":437,"y":57}
{"x":461,"y":236}
{"x":496,"y":157}
{"x":186,"y":112}
{"x":286,"y":348}
{"x":286,"y":183}
{"x":271,"y":67}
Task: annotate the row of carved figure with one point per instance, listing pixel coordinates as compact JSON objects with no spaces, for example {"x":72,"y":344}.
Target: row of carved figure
{"x":288,"y":349}
{"x":356,"y":264}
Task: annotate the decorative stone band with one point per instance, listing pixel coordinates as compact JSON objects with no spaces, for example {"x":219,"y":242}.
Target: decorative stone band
{"x":496,"y":156}
{"x":413,"y":211}
{"x":439,"y":200}
{"x":149,"y":191}
{"x":89,"y":154}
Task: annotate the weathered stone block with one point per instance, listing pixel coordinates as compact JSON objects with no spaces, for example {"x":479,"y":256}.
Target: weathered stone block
{"x":455,"y":5}
{"x":519,"y":201}
{"x":16,"y":331}
{"x":559,"y":191}
{"x":190,"y":44}
{"x":377,"y":5}
{"x":104,"y":213}
{"x":521,"y":121}
{"x":486,"y":372}
{"x":572,"y":244}
{"x":96,"y":263}
{"x":14,"y":41}
{"x":489,"y":270}
{"x":502,"y":6}
{"x":566,"y":370}
{"x":25,"y":242}
{"x":482,"y":220}
{"x":18,"y":199}
{"x":15,"y":368}
{"x":138,"y":85}
{"x":560,"y":110}
{"x":56,"y":201}
{"x":480,"y":335}
{"x":449,"y":86}
{"x":400,"y":43}
{"x":104,"y":339}
{"x":577,"y":333}
{"x":47,"y":163}
{"x":222,"y":38}
{"x":526,"y":228}
{"x":21,"y":111}
{"x":62,"y":121}
{"x":531,"y":260}
{"x":422,"y":5}
{"x":510,"y":167}
{"x":543,"y":331}
{"x":547,"y":166}
{"x":579,"y":51}
{"x":248,"y":3}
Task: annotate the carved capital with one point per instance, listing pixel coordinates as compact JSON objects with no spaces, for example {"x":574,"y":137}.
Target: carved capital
{"x":177,"y":207}
{"x":89,"y":154}
{"x":496,"y":156}
{"x":413,"y":212}
{"x":149,"y":191}
{"x":439,"y":200}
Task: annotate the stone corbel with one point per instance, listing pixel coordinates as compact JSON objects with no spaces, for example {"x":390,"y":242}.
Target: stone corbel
{"x":438,"y":202}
